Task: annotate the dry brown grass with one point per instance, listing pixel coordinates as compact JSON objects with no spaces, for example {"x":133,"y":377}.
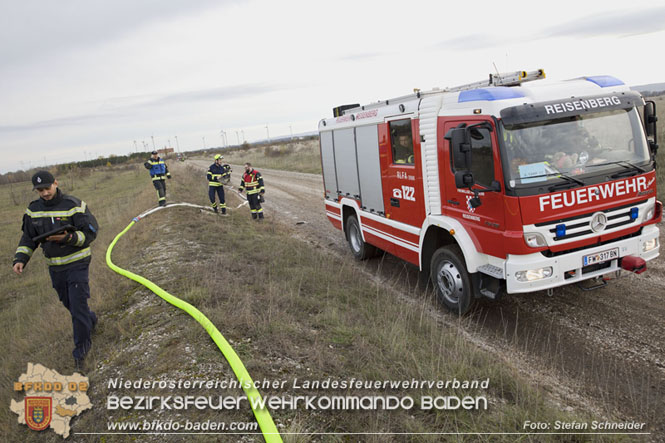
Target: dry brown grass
{"x":290,"y":311}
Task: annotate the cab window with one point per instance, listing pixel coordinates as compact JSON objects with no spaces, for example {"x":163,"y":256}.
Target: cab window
{"x":401,"y":139}
{"x":482,"y":159}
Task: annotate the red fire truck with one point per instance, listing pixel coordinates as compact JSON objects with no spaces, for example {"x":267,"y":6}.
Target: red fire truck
{"x":500,"y":186}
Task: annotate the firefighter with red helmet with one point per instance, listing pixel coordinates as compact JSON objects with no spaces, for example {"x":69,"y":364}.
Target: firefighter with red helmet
{"x":253,"y":183}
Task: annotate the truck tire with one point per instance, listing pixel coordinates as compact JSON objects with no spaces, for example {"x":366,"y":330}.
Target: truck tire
{"x":360,"y":249}
{"x":451,"y":280}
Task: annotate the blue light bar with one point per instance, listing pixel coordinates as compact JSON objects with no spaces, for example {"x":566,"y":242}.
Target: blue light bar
{"x":605,"y":81}
{"x":634,"y":212}
{"x":489,"y":94}
{"x":560,"y":230}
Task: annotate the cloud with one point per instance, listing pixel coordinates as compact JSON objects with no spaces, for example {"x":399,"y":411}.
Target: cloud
{"x":614,"y":24}
{"x":470,"y":42}
{"x":214,"y":94}
{"x":29,"y":29}
{"x":618,"y":24}
{"x":124,"y":107}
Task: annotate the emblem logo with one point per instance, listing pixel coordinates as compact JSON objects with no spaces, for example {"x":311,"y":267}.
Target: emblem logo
{"x":38,"y":412}
{"x":468,"y":204}
{"x":39,"y":179}
{"x":598,"y":222}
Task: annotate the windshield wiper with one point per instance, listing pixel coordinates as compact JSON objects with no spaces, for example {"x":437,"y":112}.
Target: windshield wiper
{"x":569,"y":180}
{"x":633,"y":169}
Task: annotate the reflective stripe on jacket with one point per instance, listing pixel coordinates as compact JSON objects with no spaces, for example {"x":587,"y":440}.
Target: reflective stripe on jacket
{"x":44,"y":216}
{"x":252,"y":181}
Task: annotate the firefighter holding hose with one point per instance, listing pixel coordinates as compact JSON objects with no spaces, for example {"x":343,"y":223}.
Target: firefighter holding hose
{"x":159,"y":173}
{"x":253,"y":183}
{"x":215,"y":174}
{"x":64,"y":227}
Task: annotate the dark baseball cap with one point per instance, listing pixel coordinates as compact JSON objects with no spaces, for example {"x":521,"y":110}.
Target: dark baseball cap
{"x":42,"y":179}
{"x":154,"y":152}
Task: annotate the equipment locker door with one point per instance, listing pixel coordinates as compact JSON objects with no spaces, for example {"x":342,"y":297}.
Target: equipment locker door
{"x":485,"y":223}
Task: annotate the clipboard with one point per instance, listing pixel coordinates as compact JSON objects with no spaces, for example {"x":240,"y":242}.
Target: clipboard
{"x":55,"y":231}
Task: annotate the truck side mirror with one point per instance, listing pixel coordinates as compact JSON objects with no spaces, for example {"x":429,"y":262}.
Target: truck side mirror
{"x":460,"y":147}
{"x":650,"y":119}
{"x":464,"y":179}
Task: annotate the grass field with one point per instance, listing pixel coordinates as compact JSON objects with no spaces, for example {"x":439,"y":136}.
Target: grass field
{"x":290,"y":311}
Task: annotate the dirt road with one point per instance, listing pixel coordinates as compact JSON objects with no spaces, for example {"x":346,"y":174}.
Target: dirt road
{"x":602,"y":350}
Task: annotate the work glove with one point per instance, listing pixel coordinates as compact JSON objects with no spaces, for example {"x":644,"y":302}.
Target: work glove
{"x":169,"y":177}
{"x":240,"y":189}
{"x":147,"y":165}
{"x":261,"y":199}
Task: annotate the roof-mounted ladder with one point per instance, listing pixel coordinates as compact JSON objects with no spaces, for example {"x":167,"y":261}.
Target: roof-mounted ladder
{"x":502,"y":79}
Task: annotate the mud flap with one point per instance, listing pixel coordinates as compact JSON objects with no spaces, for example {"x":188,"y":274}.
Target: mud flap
{"x":487,"y":286}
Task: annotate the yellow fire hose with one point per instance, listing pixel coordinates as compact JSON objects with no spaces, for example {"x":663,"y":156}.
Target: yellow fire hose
{"x":268,"y":428}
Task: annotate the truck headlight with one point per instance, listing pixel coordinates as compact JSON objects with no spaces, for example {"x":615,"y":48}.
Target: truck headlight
{"x":649,"y":245}
{"x":534,"y":274}
{"x":534,"y":239}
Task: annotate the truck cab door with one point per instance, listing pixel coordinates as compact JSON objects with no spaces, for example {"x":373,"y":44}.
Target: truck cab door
{"x":402,"y":179}
{"x":484,"y":223}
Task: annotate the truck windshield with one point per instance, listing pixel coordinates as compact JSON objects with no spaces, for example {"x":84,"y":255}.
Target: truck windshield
{"x":582,"y":145}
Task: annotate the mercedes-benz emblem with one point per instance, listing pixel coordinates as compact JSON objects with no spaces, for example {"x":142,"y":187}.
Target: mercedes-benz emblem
{"x":598,"y":222}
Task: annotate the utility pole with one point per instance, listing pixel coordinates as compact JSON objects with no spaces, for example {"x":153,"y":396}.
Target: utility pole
{"x":242,"y":132}
{"x":177,"y":144}
{"x":268,"y":132}
{"x":136,"y":149}
{"x":291,"y":131}
{"x":204,"y":142}
{"x":153,"y":142}
{"x":238,"y":138}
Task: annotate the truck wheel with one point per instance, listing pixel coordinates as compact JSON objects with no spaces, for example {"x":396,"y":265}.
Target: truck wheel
{"x":451,"y":279}
{"x":360,"y":249}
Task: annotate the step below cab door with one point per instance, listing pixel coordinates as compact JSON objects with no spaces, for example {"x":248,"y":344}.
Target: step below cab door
{"x":485,"y":223}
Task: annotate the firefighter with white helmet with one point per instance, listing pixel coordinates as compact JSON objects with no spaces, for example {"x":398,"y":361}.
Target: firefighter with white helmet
{"x":216,"y":174}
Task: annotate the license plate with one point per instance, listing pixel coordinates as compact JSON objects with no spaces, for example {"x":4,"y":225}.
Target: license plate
{"x":600,"y":257}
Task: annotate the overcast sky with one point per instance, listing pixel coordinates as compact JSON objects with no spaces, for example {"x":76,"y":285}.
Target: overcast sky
{"x":84,"y":78}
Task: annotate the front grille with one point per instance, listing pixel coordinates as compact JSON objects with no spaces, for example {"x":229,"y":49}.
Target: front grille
{"x":579,"y":226}
{"x":588,"y":215}
{"x":580,"y":229}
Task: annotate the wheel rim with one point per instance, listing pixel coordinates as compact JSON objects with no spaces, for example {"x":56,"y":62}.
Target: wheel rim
{"x":450,"y":282}
{"x":354,"y":238}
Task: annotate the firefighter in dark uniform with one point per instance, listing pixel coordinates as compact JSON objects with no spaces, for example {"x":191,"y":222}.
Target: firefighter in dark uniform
{"x":216,"y":172}
{"x":253,"y":182}
{"x":67,"y":251}
{"x":159,"y":173}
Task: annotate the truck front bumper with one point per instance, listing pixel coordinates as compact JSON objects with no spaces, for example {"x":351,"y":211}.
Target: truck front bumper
{"x":569,"y":268}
